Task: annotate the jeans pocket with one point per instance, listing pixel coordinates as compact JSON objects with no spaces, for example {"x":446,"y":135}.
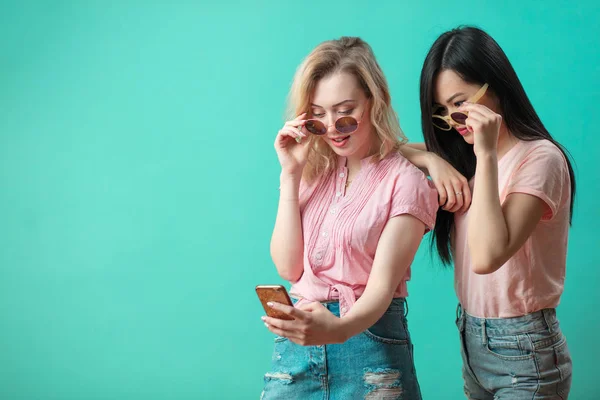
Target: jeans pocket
{"x":391,"y":329}
{"x":508,"y":348}
{"x":545,"y":339}
{"x":564,"y":366}
{"x":554,"y":365}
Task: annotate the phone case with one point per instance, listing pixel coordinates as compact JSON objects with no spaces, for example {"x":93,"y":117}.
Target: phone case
{"x":275,"y":293}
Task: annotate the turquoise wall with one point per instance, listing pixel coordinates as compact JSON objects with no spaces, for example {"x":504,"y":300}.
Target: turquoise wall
{"x":138,"y":183}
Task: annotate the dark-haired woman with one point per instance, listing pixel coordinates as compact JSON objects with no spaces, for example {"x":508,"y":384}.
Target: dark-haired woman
{"x":509,"y":249}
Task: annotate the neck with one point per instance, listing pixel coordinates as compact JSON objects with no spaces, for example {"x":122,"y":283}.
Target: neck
{"x":354,"y":161}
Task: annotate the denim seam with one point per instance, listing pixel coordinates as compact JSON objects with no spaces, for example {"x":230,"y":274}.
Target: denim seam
{"x":537,"y":371}
{"x":380,"y":339}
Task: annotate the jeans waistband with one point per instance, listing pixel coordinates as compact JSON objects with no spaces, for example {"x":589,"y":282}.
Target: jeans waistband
{"x":397,"y":304}
{"x":535,"y":321}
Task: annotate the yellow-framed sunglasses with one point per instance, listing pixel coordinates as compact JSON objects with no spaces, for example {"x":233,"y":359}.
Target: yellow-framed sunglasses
{"x":444,"y":122}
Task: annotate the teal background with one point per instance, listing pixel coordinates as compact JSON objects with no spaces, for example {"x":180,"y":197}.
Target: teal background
{"x":138,"y":183}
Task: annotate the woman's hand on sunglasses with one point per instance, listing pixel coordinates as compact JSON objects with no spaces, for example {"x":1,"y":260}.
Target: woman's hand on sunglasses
{"x":453,"y":188}
{"x":485,"y":125}
{"x":291,"y":145}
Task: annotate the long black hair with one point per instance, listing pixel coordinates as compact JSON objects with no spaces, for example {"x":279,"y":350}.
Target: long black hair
{"x":476,"y":58}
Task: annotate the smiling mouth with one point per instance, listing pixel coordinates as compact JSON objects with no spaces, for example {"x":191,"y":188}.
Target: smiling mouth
{"x":340,"y":139}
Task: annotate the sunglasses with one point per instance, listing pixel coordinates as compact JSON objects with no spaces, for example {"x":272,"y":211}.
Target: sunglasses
{"x":343,"y":125}
{"x":444,"y":122}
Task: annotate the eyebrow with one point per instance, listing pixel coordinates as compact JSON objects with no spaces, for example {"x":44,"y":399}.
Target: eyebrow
{"x":338,"y":104}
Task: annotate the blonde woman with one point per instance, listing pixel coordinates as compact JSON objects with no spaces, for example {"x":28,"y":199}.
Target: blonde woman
{"x":352,"y":212}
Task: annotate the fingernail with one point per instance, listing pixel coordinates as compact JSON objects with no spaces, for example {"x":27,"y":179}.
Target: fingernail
{"x":267,"y":325}
{"x":270,"y":304}
{"x":263,"y":318}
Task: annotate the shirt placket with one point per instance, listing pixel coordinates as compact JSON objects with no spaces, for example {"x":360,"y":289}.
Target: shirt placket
{"x":325,"y":234}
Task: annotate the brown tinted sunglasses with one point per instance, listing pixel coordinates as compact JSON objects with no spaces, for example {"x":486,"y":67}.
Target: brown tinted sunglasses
{"x":345,"y":125}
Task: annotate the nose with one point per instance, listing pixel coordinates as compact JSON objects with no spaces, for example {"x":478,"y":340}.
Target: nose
{"x":330,"y":124}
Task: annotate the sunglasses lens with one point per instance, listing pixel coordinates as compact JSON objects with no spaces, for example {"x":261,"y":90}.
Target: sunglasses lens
{"x":346,"y":125}
{"x":440,"y":123}
{"x":315,"y":127}
{"x":459,"y":117}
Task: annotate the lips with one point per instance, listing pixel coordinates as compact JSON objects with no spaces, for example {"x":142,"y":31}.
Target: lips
{"x":339,"y":138}
{"x":463,"y":131}
{"x":339,"y":141}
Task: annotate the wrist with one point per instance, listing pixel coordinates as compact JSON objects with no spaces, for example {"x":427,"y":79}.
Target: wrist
{"x":487,"y":155}
{"x":287,"y":177}
{"x":344,"y":329}
{"x":429,"y":159}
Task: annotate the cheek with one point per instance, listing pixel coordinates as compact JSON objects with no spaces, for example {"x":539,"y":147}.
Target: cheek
{"x":363,"y":131}
{"x":469,"y":138}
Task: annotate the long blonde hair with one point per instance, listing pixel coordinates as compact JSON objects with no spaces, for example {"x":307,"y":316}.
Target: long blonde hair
{"x":355,"y":56}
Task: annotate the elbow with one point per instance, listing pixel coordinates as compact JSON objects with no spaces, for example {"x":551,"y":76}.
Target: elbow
{"x":483,"y":268}
{"x":289,"y":270}
{"x":289,"y":266}
{"x":485,"y":265}
{"x":292,"y":275}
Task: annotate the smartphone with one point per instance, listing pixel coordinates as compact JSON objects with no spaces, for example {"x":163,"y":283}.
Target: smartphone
{"x":275,"y":293}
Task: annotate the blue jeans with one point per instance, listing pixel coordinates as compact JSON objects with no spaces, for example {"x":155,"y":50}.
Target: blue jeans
{"x":376,"y":364}
{"x":514,"y":358}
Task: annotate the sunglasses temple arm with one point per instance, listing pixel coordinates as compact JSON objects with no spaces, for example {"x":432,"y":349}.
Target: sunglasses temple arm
{"x":479,"y":94}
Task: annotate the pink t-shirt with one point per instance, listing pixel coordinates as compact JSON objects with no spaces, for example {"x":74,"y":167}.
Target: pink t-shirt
{"x":533,"y":278}
{"x":341,"y":231}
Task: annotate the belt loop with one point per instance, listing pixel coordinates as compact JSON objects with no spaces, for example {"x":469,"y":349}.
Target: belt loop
{"x":484,"y":337}
{"x":458,"y":312}
{"x":547,"y":314}
{"x":405,"y":308}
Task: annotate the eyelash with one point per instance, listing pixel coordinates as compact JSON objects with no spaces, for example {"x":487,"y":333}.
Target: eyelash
{"x":348,"y":112}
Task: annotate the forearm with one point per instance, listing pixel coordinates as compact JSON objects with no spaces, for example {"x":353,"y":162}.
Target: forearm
{"x":417,"y":154}
{"x":395,"y":253}
{"x":367,"y":310}
{"x":487,"y":229}
{"x":287,"y":244}
{"x":417,"y":146}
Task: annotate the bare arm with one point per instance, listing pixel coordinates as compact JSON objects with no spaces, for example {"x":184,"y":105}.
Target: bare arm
{"x":417,"y":146}
{"x":314,"y":325}
{"x":453,"y":188}
{"x":287,"y":244}
{"x":396,"y":250}
{"x":417,"y":154}
{"x":497,"y":231}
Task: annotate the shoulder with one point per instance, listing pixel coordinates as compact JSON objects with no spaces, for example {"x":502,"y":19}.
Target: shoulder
{"x":542,"y":151}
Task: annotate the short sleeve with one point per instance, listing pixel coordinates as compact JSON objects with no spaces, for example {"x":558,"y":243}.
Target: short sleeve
{"x":543,"y":173}
{"x":415,"y":195}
